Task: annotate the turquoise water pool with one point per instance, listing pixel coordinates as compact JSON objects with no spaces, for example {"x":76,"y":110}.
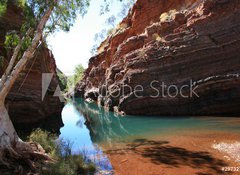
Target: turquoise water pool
{"x":88,"y":126}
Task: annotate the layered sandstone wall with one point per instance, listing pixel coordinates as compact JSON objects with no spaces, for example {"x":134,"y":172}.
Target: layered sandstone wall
{"x":178,"y":42}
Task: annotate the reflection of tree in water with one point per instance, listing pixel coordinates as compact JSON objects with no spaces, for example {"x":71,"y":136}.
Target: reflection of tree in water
{"x":104,"y":126}
{"x":80,"y":124}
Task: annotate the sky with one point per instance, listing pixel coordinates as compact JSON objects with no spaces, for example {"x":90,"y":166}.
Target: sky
{"x":74,"y":47}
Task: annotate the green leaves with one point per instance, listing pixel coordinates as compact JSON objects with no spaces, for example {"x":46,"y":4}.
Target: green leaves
{"x":11,"y":40}
{"x":78,"y":73}
{"x":65,"y":13}
{"x":21,"y":3}
{"x":74,"y":79}
{"x":26,"y":44}
{"x":3,"y":7}
{"x":63,"y":16}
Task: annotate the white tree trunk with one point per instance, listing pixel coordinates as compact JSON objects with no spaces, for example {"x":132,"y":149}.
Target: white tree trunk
{"x":8,"y":135}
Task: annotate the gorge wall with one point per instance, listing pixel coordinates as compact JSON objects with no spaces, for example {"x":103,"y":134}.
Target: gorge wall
{"x":24,"y":103}
{"x":191,"y":44}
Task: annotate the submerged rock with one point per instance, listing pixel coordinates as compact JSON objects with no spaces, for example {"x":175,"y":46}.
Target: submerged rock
{"x":190,"y":46}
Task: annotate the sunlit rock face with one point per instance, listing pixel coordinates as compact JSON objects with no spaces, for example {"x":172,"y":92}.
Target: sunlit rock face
{"x":183,"y":42}
{"x":25,"y":104}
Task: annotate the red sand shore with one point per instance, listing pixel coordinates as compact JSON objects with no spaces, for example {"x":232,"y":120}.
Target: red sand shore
{"x":185,"y":154}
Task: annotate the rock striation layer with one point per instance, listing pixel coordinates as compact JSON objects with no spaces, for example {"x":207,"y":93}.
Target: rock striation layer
{"x":175,"y":42}
{"x":25,"y":105}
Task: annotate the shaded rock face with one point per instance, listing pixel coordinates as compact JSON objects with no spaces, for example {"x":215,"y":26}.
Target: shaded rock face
{"x":190,"y":46}
{"x":25,"y":105}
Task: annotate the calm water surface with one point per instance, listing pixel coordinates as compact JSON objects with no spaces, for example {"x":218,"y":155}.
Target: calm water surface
{"x":89,"y":127}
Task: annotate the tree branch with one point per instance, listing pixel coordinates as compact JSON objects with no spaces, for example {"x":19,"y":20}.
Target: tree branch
{"x":28,"y":54}
{"x":13,"y":59}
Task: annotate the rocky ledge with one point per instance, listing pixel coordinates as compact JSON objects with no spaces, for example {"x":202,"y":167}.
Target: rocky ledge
{"x":25,"y":105}
{"x":175,"y":57}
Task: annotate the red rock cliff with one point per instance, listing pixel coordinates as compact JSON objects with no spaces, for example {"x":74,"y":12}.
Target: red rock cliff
{"x":25,"y":105}
{"x":178,"y":42}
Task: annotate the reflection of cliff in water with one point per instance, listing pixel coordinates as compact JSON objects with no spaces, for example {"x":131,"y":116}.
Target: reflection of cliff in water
{"x":103,"y":125}
{"x":109,"y":127}
{"x":50,"y":124}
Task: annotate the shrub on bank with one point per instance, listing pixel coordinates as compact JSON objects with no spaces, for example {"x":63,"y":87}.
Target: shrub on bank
{"x":64,"y":162}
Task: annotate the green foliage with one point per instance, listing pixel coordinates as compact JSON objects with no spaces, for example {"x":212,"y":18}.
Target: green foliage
{"x":62,"y":80}
{"x":11,"y":40}
{"x":76,"y":77}
{"x":67,"y":83}
{"x":72,"y":165}
{"x":21,"y":3}
{"x":111,"y":26}
{"x":3,"y":7}
{"x":26,"y":44}
{"x":63,"y":15}
{"x":66,"y":163}
{"x":78,"y":72}
{"x":62,"y":18}
{"x":45,"y":139}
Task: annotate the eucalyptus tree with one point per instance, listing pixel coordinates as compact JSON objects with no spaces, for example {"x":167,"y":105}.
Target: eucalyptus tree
{"x":41,"y":17}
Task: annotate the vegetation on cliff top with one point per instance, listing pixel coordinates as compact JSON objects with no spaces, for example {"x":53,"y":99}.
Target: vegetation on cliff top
{"x":76,"y":77}
{"x":68,"y":83}
{"x":62,"y":79}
